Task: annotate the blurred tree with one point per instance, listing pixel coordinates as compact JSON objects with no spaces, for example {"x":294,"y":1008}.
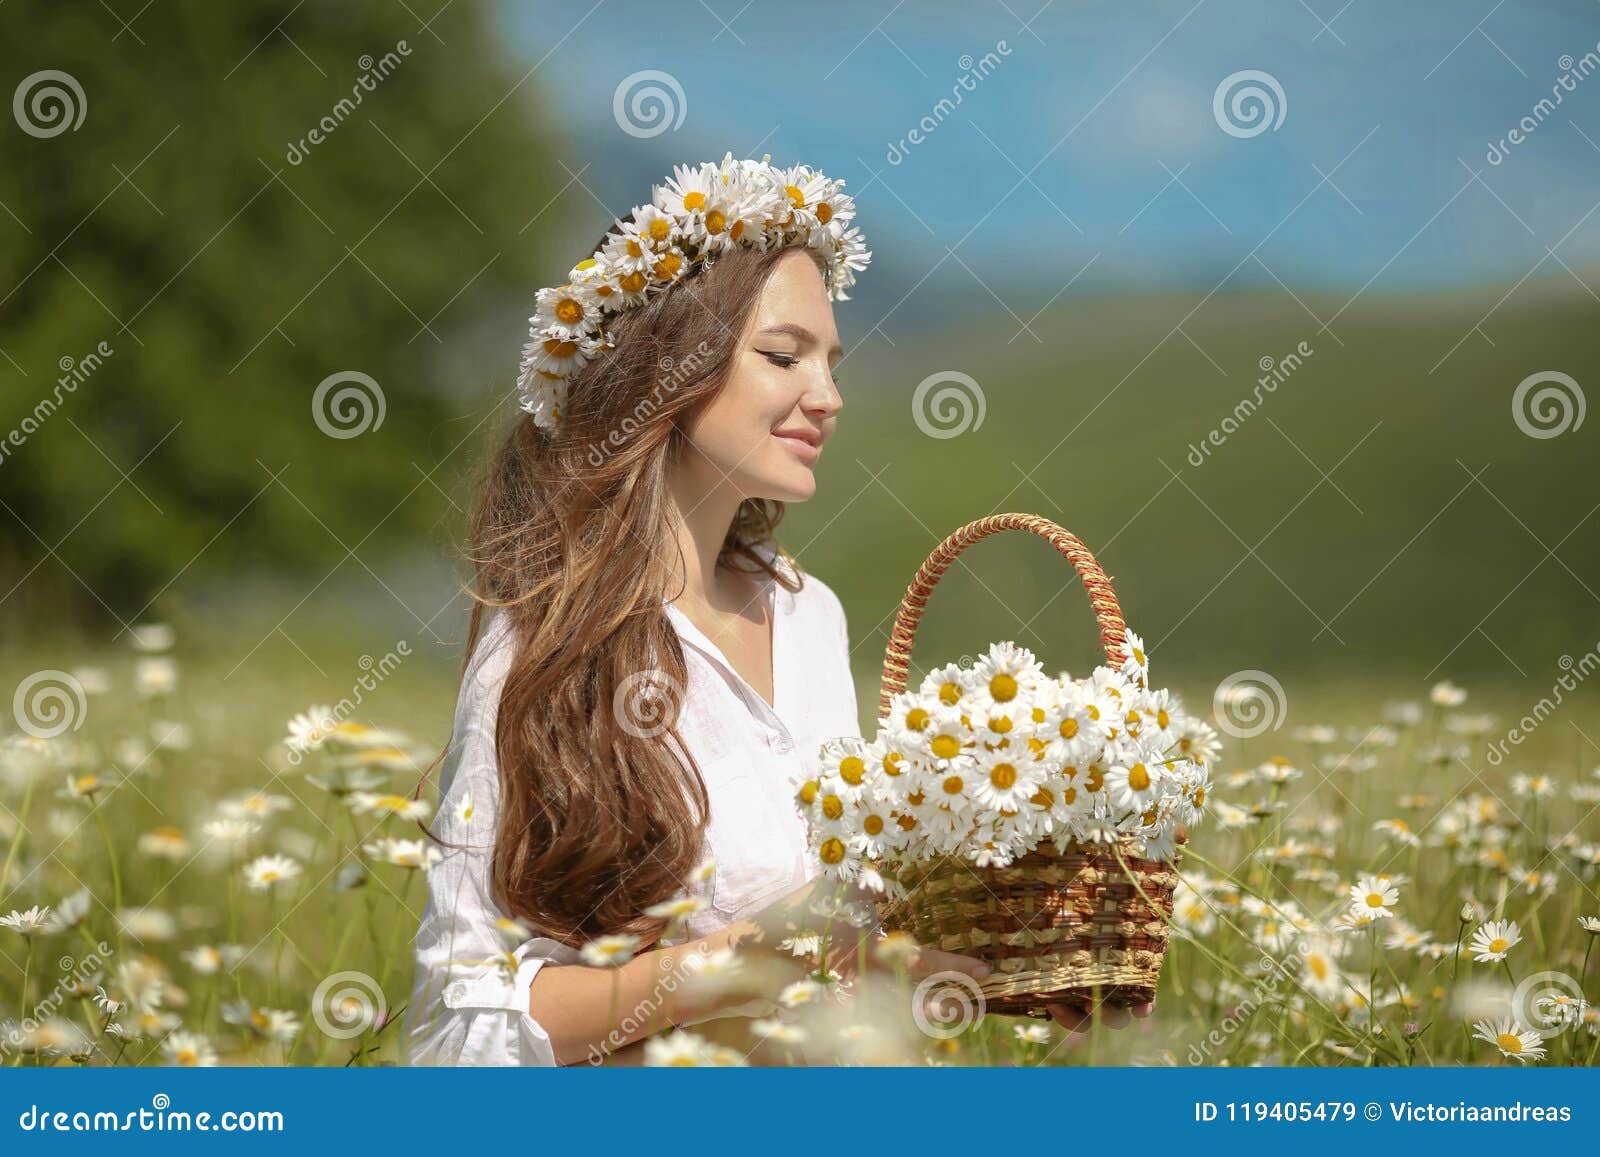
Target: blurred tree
{"x":205,"y":213}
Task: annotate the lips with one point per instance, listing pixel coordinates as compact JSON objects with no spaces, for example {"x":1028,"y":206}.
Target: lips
{"x":809,"y":437}
{"x":805,"y":444}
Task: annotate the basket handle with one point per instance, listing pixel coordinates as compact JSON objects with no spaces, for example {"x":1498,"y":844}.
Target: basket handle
{"x":897,"y":657}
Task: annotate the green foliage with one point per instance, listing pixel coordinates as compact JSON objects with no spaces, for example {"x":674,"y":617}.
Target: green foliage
{"x":230,"y":263}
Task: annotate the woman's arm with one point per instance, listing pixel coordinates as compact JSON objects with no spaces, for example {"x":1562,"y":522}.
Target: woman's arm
{"x":592,"y":1013}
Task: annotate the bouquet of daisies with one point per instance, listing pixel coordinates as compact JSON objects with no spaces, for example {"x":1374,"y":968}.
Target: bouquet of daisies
{"x":989,"y":761}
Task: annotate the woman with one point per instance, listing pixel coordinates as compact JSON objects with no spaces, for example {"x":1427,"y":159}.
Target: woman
{"x":650,"y":676}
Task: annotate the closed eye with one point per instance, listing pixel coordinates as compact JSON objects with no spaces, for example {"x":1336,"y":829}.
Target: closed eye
{"x":784,"y":360}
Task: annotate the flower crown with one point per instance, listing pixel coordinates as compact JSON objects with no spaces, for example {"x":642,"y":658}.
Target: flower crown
{"x":701,"y":211}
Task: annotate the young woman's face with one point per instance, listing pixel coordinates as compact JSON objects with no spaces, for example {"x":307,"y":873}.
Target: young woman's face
{"x":761,"y":435}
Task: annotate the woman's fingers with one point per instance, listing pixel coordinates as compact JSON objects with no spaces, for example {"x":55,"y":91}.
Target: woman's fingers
{"x":1111,"y":1016}
{"x":1181,"y":833}
{"x":1068,"y":1017}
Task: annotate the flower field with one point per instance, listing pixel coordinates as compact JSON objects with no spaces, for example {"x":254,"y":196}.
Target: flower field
{"x":201,"y":874}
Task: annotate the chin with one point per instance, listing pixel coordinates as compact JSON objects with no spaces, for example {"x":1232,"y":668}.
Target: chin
{"x":795,"y":484}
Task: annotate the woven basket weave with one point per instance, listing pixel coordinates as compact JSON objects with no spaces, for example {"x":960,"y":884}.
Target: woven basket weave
{"x":1080,"y":928}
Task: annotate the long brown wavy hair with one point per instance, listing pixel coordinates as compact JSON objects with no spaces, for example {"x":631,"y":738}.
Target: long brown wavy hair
{"x":572,"y":539}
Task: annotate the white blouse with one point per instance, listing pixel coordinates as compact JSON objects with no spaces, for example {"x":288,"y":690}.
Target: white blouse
{"x":753,"y":756}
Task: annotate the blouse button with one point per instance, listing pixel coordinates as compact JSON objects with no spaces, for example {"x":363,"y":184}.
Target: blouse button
{"x":457,"y":991}
{"x":784,"y":744}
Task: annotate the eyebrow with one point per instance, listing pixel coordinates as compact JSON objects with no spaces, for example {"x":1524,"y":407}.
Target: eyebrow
{"x":799,"y":332}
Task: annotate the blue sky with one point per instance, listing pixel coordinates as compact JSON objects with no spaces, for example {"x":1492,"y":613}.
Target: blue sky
{"x":1107,"y":108}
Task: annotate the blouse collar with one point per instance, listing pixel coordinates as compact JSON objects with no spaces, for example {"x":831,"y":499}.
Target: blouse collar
{"x":781,"y":602}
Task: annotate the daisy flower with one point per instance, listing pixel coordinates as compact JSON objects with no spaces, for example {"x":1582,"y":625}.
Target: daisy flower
{"x":418,"y":853}
{"x":1032,"y":1034}
{"x":1004,"y":780}
{"x":1399,"y":831}
{"x":1493,"y":940}
{"x":188,"y":1050}
{"x":263,"y":872}
{"x":1134,"y":785}
{"x":681,"y":908}
{"x":230,"y":831}
{"x":779,"y":1031}
{"x":681,"y":1048}
{"x":609,"y":951}
{"x":1590,"y":924}
{"x":805,"y":991}
{"x":1373,"y":896}
{"x":1511,"y":1039}
{"x":1005,"y":675}
{"x":310,"y":729}
{"x":406,"y":808}
{"x":34,"y":922}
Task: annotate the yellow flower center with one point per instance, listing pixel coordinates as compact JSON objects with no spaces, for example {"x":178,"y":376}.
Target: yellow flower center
{"x":832,"y":807}
{"x":1003,"y":687}
{"x":952,"y":785}
{"x":949,"y":693}
{"x":569,"y":312}
{"x":851,"y":769}
{"x":695,"y":200}
{"x":832,"y":850}
{"x":808,"y":792}
{"x":1509,"y":1042}
{"x":1003,"y":775}
{"x":632,"y":282}
{"x":1374,"y":899}
{"x":716,"y":221}
{"x":1499,"y":944}
{"x":946,"y":746}
{"x":872,"y":825}
{"x":1139,"y":777}
{"x":917,"y":718}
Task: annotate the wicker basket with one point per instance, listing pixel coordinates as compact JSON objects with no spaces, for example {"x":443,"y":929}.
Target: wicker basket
{"x":1078,"y":929}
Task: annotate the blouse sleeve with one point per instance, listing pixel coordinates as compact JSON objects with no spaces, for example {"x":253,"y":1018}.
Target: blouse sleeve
{"x":469,"y":1003}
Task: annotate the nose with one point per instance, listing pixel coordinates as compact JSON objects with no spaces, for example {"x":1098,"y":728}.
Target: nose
{"x":822,"y":398}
